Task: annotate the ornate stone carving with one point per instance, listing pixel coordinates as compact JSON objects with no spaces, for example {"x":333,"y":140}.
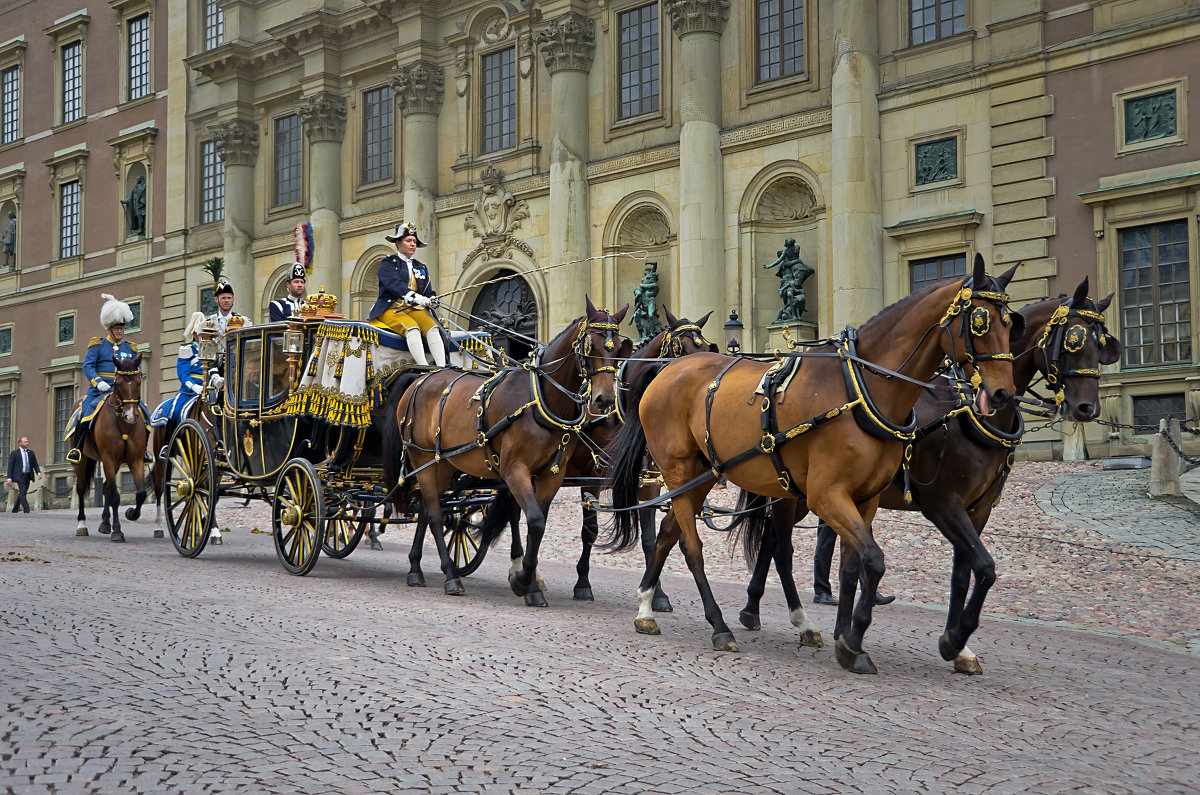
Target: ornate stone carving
{"x":497,"y":214}
{"x":568,"y":43}
{"x":237,"y":141}
{"x":496,"y":29}
{"x":788,"y":199}
{"x":697,"y":16}
{"x":323,"y":116}
{"x":645,"y":227}
{"x":462,"y":74}
{"x":419,"y":87}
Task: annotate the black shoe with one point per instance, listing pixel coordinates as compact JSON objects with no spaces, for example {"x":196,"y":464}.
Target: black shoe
{"x":884,"y":600}
{"x":825,"y":599}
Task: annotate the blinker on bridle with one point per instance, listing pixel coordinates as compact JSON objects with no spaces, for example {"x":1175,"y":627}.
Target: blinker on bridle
{"x":977,"y":323}
{"x":1062,"y":335}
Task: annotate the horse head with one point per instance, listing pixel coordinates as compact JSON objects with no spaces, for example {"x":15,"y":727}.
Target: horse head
{"x":683,"y":337}
{"x":985,"y":325}
{"x":600,"y":346}
{"x":127,"y":386}
{"x":1073,"y":346}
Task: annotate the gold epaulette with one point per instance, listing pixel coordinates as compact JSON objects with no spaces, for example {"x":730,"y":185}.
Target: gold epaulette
{"x":133,"y":347}
{"x":95,"y":341}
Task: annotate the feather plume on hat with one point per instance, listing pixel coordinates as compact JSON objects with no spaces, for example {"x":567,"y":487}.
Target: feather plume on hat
{"x":193,"y":326}
{"x":114,"y":311}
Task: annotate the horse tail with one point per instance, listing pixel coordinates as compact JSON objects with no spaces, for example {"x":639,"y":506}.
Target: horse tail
{"x":627,"y":454}
{"x":392,"y":444}
{"x":498,"y":516}
{"x":751,"y":524}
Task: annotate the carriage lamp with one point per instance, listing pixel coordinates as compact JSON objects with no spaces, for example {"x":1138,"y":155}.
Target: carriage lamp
{"x":207,"y":346}
{"x":733,"y":333}
{"x":293,"y":347}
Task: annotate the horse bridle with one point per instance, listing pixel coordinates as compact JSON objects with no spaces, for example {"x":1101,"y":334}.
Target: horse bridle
{"x":672,"y":344}
{"x":1061,"y":335}
{"x":977,"y":323}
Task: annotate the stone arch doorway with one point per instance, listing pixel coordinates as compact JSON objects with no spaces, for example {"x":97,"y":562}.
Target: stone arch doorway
{"x":508,"y":304}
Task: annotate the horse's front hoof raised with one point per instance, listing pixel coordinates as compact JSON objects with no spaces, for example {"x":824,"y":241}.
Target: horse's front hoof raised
{"x":81,"y":531}
{"x":646,"y":626}
{"x":158,"y":533}
{"x":723,"y":641}
{"x":661,"y":604}
{"x":967,"y":665}
{"x":947,"y":649}
{"x":118,"y":537}
{"x":583,"y":594}
{"x":375,"y":545}
{"x":749,"y":620}
{"x":415,"y":579}
{"x":105,"y":528}
{"x":518,"y":587}
{"x":535,"y":599}
{"x":855,"y":661}
{"x":812,"y":637}
{"x":454,"y":587}
{"x":132,"y":514}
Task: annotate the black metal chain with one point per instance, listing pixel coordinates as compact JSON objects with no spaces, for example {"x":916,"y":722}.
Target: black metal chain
{"x":1190,"y":459}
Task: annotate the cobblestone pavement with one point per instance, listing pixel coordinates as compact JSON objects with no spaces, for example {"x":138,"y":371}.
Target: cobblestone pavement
{"x":131,"y":669}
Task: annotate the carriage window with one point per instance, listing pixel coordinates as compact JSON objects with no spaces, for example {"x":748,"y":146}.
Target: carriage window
{"x":278,"y":367}
{"x":250,"y":369}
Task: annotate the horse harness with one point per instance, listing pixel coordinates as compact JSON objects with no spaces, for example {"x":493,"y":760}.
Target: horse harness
{"x":671,"y":348}
{"x":1063,"y":335}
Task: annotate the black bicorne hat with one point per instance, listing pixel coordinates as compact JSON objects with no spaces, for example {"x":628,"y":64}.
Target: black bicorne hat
{"x":222,"y":288}
{"x":402,"y":231}
{"x":298,"y":272}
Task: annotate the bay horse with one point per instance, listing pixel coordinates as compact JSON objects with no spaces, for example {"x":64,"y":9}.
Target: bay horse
{"x":520,"y":425}
{"x":822,"y":432}
{"x":961,"y":460}
{"x":117,"y":435}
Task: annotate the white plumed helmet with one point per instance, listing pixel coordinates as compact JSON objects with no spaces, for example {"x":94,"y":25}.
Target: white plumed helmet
{"x":114,"y":311}
{"x":193,"y":326}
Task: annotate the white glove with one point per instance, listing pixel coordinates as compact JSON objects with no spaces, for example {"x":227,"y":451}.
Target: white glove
{"x":416,"y":299}
{"x":196,"y":388}
{"x":102,"y":386}
{"x":216,"y":382}
{"x":185,"y":352}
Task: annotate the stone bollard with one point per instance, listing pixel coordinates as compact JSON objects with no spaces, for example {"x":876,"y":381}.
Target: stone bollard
{"x":1074,"y":445}
{"x":1164,"y":461}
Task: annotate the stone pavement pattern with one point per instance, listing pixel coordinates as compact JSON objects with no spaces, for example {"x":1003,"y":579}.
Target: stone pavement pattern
{"x":131,"y":669}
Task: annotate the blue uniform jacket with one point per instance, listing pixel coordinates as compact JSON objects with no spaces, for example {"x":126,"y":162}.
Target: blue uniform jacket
{"x":394,"y":283}
{"x":190,"y":371}
{"x":99,"y":364}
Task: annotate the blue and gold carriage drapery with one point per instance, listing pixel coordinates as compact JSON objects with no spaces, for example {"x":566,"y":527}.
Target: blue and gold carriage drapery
{"x":342,"y":381}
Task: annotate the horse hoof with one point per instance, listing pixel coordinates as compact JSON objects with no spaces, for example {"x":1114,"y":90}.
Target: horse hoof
{"x":132,"y":515}
{"x":415,"y":579}
{"x":967,"y":665}
{"x":583,"y":594}
{"x":749,"y":620}
{"x":855,"y":661}
{"x":723,"y":641}
{"x":519,"y":588}
{"x":216,"y":541}
{"x":812,"y":637}
{"x":81,"y":531}
{"x":454,"y":587}
{"x":946,"y":648}
{"x":117,"y":537}
{"x":105,"y":529}
{"x":661,"y":604}
{"x":158,"y":533}
{"x":646,"y":626}
{"x":535,"y":599}
{"x":375,"y":545}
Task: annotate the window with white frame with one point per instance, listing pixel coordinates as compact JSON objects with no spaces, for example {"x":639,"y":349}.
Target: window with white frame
{"x":10,"y":105}
{"x":72,"y":82}
{"x":212,"y":184}
{"x":499,"y":99}
{"x":288,"y":149}
{"x":779,"y":38}
{"x":377,"y":134}
{"x":214,"y":24}
{"x":138,"y":30}
{"x":68,"y":220}
{"x":638,"y":61}
{"x":1156,"y":309}
{"x":930,"y":20}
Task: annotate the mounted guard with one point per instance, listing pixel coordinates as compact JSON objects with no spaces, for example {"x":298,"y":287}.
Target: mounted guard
{"x":406,"y":298}
{"x":190,"y":370}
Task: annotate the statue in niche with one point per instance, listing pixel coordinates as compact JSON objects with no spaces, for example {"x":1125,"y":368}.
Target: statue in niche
{"x":645,"y":304}
{"x":9,"y":241}
{"x":792,"y":275}
{"x":135,"y":207}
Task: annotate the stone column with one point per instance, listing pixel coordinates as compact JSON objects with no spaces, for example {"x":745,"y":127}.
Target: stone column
{"x":857,"y":250}
{"x":568,"y":45}
{"x":237,"y":146}
{"x":698,"y":24}
{"x":420,"y":88}
{"x":324,"y":118}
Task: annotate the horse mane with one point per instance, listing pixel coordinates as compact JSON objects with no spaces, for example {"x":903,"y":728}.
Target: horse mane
{"x":902,"y":306}
{"x":569,"y":329}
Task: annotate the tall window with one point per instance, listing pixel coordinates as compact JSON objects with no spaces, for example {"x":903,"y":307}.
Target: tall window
{"x":72,"y":82}
{"x":780,"y":38}
{"x":139,"y":56}
{"x":10,"y":105}
{"x":500,"y":100}
{"x":1156,"y":306}
{"x":64,"y":397}
{"x":214,"y":24}
{"x":6,"y":422}
{"x":212,"y":184}
{"x":924,"y":272}
{"x":68,"y":220}
{"x":377,"y":135}
{"x":638,"y":61}
{"x":287,"y":160}
{"x":936,"y":19}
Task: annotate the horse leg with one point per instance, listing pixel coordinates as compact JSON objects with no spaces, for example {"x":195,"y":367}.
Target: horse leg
{"x":685,"y":509}
{"x":668,"y":537}
{"x":112,"y":501}
{"x":758,"y":581}
{"x":374,"y":533}
{"x":141,"y":484}
{"x":587,"y":538}
{"x":861,"y":557}
{"x":433,"y":486}
{"x":784,"y":517}
{"x":516,"y":552}
{"x":534,"y":504}
{"x":416,"y":577}
{"x":660,"y":603}
{"x":158,"y":473}
{"x":83,"y":476}
{"x":970,"y":556}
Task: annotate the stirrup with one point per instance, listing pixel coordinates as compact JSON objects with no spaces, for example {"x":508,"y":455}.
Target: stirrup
{"x":74,"y":456}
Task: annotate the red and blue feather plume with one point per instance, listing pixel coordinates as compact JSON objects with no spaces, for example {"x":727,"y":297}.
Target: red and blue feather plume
{"x":303,"y":236}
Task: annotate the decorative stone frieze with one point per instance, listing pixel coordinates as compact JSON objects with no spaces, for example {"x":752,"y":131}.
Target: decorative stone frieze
{"x":237,"y":141}
{"x":323,"y":116}
{"x":568,"y":43}
{"x":420,"y":88}
{"x":697,"y":16}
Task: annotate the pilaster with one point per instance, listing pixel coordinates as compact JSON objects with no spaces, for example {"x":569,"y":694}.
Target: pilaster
{"x":323,"y":115}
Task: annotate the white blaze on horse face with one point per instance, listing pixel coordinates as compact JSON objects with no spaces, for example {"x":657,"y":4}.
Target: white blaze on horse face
{"x":644,"y":598}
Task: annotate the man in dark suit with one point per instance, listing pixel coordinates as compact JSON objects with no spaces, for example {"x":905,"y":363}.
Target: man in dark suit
{"x":22,"y":468}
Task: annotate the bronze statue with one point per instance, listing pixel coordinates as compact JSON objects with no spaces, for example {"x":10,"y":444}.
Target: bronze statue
{"x":9,"y":241}
{"x":645,"y":304}
{"x":135,"y":207}
{"x":792,"y":275}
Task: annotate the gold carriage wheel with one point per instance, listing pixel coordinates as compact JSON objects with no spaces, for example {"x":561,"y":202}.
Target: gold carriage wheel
{"x":297,"y":516}
{"x":190,"y":486}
